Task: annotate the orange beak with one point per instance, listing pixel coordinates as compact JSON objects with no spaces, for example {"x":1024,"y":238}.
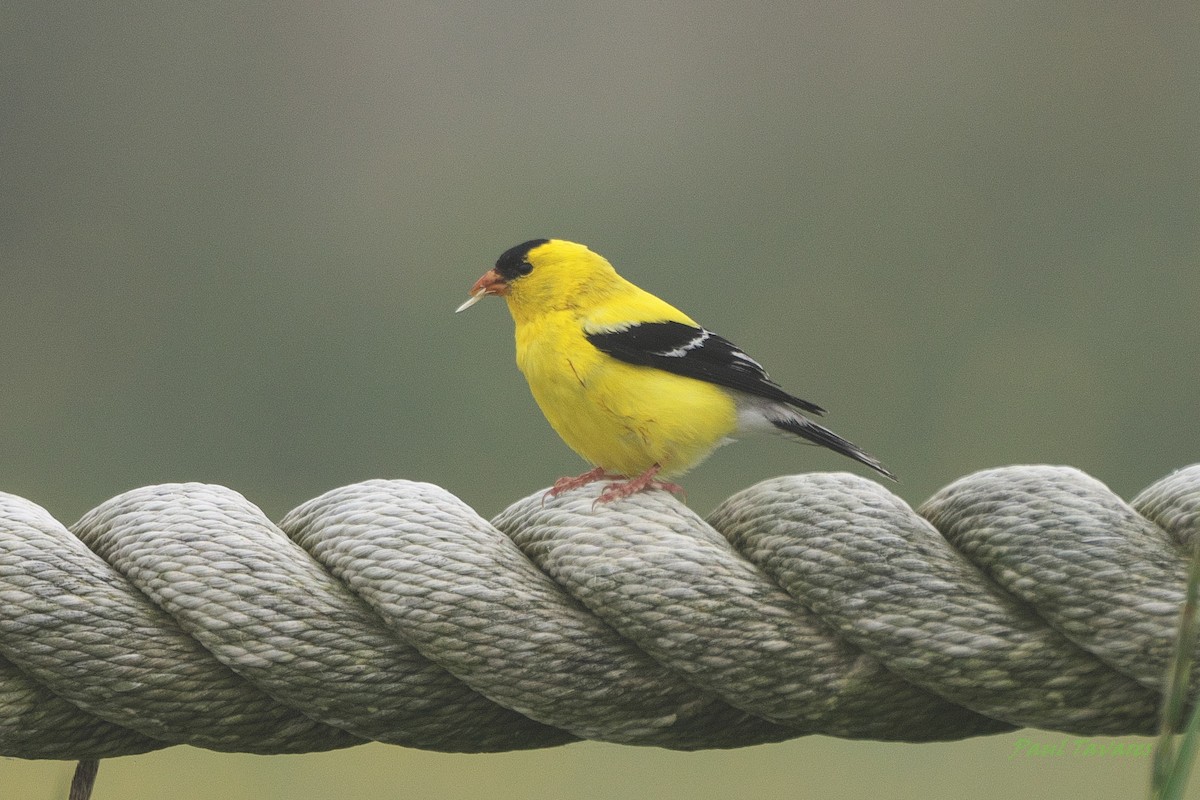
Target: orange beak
{"x":490,"y":283}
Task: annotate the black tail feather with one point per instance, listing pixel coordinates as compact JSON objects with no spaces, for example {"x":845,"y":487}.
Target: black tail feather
{"x":817,"y":434}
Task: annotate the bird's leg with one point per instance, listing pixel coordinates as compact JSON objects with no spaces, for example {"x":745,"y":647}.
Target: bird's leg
{"x":615,"y":491}
{"x":591,"y":476}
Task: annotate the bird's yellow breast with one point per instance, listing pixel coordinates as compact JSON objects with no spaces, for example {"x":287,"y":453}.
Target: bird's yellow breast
{"x":619,"y":416}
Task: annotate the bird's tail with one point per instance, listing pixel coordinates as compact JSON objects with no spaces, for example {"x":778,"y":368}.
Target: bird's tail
{"x":807,"y":429}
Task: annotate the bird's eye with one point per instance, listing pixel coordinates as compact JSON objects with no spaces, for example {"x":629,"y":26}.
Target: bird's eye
{"x":513,"y":269}
{"x":514,"y":262}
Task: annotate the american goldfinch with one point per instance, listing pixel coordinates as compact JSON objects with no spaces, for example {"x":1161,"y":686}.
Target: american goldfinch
{"x":630,"y":382}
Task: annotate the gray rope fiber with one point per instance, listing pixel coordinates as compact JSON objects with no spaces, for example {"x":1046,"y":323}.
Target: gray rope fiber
{"x":389,"y":610}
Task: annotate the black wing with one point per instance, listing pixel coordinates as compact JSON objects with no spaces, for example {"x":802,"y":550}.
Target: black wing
{"x":694,"y":353}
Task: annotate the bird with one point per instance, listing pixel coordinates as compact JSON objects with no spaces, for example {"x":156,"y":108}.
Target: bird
{"x":632,"y":384}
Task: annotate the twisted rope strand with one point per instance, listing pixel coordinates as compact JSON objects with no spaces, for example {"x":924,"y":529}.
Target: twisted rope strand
{"x":390,"y":611}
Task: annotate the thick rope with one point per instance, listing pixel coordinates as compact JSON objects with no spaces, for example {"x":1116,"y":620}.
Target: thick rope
{"x":390,"y":611}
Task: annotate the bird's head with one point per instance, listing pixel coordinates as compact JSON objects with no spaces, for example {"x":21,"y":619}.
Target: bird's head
{"x":543,"y":275}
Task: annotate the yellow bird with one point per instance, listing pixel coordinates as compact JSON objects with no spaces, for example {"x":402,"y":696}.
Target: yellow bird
{"x":630,"y":382}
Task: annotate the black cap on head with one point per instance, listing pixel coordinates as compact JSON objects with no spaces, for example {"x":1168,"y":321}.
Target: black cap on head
{"x":512,"y":264}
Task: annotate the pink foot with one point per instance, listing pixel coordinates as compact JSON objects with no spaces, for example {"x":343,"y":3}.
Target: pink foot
{"x":591,"y":476}
{"x":615,"y":491}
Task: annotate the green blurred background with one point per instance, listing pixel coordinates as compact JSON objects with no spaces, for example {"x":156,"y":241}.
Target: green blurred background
{"x":232,"y":236}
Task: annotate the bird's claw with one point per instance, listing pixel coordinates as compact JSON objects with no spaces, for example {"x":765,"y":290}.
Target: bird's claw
{"x":575,"y":481}
{"x":643,"y":482}
{"x":616,"y":490}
